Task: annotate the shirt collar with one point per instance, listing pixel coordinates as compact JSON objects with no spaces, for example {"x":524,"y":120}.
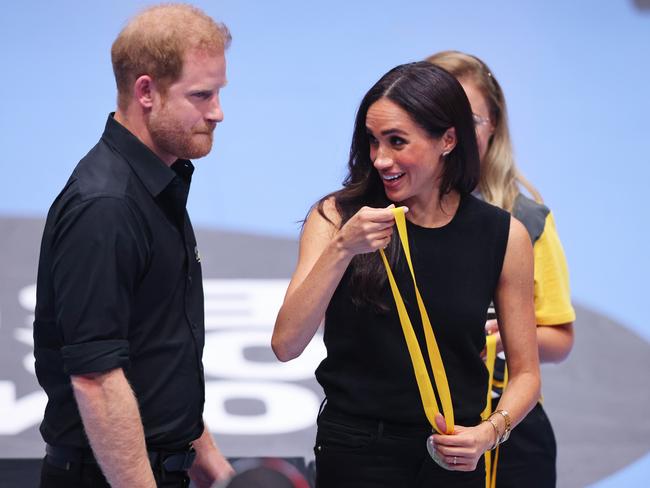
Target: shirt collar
{"x":150,"y":169}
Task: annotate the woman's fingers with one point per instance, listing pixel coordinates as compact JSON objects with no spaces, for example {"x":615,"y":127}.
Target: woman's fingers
{"x":455,"y":463}
{"x":380,"y":214}
{"x":491,"y":326}
{"x":370,"y":227}
{"x":460,"y":463}
{"x":441,"y":423}
{"x":378,"y":242}
{"x":368,"y":230}
{"x":460,"y":451}
{"x":453,"y":451}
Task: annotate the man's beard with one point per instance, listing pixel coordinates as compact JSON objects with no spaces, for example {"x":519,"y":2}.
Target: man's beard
{"x":169,"y":135}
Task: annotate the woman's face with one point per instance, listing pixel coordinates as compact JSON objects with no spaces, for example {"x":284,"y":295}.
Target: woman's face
{"x":407,"y":158}
{"x":481,"y":113}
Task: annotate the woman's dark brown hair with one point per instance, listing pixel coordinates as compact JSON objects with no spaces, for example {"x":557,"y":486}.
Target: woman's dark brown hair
{"x":435,"y":101}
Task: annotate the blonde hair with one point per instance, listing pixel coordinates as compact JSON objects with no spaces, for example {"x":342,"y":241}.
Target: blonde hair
{"x":155,"y":42}
{"x":500,"y":178}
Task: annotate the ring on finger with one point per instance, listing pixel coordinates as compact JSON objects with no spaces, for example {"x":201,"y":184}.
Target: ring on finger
{"x":455,"y":460}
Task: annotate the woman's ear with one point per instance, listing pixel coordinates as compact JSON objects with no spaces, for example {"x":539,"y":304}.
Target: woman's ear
{"x":448,"y":141}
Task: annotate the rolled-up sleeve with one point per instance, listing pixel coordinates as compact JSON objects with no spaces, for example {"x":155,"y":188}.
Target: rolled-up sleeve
{"x":99,"y":257}
{"x":97,"y":356}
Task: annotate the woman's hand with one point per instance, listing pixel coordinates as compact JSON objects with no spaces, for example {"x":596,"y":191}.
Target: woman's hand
{"x":367,"y":231}
{"x":554,"y":341}
{"x":492,"y":329}
{"x":461,"y":450}
{"x":324,"y":256}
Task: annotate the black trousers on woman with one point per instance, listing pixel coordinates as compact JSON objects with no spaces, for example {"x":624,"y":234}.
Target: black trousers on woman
{"x":528,"y":457}
{"x":353,"y":452}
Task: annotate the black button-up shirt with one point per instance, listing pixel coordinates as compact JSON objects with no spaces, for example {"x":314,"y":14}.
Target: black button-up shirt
{"x":120,"y":286}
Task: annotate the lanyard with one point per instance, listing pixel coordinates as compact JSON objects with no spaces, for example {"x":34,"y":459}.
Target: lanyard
{"x":422,"y":378}
{"x":490,"y":462}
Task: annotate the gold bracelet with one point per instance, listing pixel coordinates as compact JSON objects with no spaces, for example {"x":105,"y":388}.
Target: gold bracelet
{"x":508,"y":429}
{"x":496,"y":432}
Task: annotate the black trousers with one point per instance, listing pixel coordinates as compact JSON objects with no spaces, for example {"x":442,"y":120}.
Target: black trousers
{"x":353,"y":452}
{"x":528,"y":457}
{"x":89,"y":475}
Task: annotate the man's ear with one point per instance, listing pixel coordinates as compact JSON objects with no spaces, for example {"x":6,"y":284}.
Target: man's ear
{"x":143,"y":91}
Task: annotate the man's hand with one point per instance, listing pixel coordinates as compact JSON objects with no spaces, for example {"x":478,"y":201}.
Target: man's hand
{"x":210,"y":465}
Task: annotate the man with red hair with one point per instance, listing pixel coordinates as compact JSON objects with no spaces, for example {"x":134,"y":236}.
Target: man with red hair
{"x":119,"y":325}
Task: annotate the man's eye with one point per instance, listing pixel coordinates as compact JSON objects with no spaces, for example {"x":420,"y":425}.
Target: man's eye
{"x":202,"y":95}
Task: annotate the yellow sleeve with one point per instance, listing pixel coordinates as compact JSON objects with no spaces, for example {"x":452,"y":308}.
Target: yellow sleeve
{"x":552,"y":294}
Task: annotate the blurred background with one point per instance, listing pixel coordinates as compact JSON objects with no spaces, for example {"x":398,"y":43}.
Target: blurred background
{"x":576,"y":78}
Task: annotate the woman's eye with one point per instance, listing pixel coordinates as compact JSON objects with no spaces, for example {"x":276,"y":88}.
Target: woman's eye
{"x":372,"y":140}
{"x":397,"y":141}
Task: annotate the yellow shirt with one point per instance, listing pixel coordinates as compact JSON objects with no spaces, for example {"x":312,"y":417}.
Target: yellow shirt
{"x":552,"y":293}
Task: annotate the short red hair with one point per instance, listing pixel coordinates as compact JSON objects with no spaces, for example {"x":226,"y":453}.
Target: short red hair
{"x":155,"y":42}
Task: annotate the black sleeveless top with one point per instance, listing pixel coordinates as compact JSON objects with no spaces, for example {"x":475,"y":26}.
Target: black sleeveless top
{"x":368,"y":371}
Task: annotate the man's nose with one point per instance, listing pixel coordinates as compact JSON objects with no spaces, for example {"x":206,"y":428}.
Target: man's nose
{"x":215,"y":112}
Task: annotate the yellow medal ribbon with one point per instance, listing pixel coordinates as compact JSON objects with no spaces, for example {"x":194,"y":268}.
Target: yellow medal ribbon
{"x":422,"y":378}
{"x":490,"y":358}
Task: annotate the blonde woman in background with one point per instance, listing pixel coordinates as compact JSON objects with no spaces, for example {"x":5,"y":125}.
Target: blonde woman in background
{"x":528,"y":458}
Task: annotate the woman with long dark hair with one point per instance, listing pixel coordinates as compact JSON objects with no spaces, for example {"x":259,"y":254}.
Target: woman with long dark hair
{"x":413,"y":165}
